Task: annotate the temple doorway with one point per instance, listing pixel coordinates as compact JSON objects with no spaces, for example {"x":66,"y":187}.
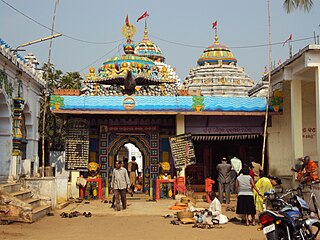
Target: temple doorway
{"x":125,"y":154}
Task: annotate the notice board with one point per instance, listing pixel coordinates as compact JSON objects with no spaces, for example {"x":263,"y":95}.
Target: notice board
{"x":182,"y":150}
{"x":77,"y":144}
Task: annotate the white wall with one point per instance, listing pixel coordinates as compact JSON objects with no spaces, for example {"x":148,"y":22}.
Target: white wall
{"x":279,"y":138}
{"x":279,"y":134}
{"x":31,"y":85}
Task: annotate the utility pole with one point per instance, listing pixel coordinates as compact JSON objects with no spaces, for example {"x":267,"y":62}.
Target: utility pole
{"x":268,"y":89}
{"x":46,"y":90}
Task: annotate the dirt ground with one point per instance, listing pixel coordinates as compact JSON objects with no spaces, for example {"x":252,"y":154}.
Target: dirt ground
{"x":107,"y":224}
{"x":117,"y":227}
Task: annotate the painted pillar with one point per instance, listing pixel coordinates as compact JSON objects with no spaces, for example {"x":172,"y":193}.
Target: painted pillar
{"x":317,"y":86}
{"x":296,"y":120}
{"x":180,"y":129}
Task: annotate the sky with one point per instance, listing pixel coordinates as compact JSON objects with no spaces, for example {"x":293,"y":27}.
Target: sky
{"x":182,"y":29}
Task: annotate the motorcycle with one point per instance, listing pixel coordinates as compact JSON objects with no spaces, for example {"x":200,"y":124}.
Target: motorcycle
{"x":289,"y":219}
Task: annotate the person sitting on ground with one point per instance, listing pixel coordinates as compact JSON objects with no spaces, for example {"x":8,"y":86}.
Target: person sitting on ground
{"x":215,"y":209}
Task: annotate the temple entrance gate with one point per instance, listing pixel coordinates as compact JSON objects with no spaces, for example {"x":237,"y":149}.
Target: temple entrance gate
{"x":145,"y":138}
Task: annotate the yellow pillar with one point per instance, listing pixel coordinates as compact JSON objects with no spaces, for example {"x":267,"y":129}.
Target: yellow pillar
{"x":180,"y":125}
{"x":180,"y":129}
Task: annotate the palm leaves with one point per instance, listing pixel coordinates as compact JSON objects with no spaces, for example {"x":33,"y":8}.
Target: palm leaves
{"x":290,"y":5}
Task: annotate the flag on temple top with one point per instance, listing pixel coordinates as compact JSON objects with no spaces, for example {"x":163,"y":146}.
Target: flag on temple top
{"x":144,"y":15}
{"x":289,"y":39}
{"x":279,"y":61}
{"x":214,"y":25}
{"x":127,"y":20}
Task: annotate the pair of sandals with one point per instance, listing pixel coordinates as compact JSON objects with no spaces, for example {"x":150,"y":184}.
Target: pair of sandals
{"x":87,"y":214}
{"x":174,"y":222}
{"x":232,"y":209}
{"x":205,"y":226}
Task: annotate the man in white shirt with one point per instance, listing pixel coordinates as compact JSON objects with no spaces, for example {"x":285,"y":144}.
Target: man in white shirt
{"x":236,"y":165}
{"x":120,"y":183}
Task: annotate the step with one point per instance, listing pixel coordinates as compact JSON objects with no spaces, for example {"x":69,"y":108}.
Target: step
{"x":22,"y":195}
{"x":3,"y":179}
{"x":34,"y":202}
{"x":10,"y":187}
{"x":39,"y":212}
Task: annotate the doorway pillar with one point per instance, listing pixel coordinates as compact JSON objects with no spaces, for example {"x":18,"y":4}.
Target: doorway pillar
{"x":180,"y":129}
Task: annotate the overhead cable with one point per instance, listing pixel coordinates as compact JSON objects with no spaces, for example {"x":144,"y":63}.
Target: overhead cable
{"x":116,"y":47}
{"x":236,"y":47}
{"x":65,"y":35}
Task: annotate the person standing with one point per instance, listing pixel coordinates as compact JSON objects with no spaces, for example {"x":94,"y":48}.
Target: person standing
{"x":119,"y":184}
{"x":245,"y":200}
{"x":236,"y":165}
{"x":133,"y":168}
{"x":264,"y":184}
{"x":224,"y":170}
{"x":257,"y":169}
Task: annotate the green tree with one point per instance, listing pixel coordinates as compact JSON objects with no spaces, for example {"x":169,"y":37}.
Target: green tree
{"x":55,"y":134}
{"x":290,"y":5}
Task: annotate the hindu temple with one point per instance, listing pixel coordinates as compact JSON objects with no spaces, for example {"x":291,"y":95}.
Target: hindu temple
{"x":137,"y":98}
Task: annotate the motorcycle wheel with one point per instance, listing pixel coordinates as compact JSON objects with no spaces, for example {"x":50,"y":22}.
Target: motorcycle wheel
{"x":278,"y":234}
{"x":316,"y":207}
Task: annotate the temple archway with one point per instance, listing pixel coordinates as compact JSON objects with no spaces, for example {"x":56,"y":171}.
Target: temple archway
{"x":140,"y":141}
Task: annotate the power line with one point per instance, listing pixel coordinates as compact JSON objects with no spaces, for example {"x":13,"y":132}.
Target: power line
{"x":67,"y":36}
{"x":236,"y":47}
{"x":116,"y":47}
{"x":164,"y":40}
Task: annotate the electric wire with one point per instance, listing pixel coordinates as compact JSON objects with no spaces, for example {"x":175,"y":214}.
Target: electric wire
{"x":235,"y":47}
{"x":89,"y":65}
{"x":65,"y":35}
{"x":156,"y":37}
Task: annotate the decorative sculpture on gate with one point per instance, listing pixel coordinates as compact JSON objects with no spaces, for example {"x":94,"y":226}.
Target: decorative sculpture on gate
{"x":92,"y":187}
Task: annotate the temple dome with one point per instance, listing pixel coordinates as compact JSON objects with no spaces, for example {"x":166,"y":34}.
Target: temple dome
{"x":126,"y":61}
{"x":217,"y":74}
{"x":148,"y":49}
{"x":217,"y":53}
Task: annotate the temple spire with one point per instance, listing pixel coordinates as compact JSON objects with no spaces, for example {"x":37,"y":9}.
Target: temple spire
{"x":146,"y":37}
{"x":215,"y":27}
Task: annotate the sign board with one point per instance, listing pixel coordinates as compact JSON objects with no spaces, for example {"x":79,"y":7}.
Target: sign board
{"x":182,"y":150}
{"x":67,"y":92}
{"x":77,"y":144}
